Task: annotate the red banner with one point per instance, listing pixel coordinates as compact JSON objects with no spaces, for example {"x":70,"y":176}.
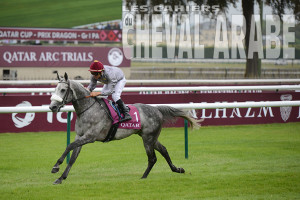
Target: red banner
{"x":34,"y":122}
{"x":60,"y":34}
{"x":58,"y":56}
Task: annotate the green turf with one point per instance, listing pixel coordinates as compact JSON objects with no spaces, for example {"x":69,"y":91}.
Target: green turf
{"x":229,"y":162}
{"x":57,"y":13}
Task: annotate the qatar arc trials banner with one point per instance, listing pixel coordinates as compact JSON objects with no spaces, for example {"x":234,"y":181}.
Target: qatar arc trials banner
{"x":56,"y":56}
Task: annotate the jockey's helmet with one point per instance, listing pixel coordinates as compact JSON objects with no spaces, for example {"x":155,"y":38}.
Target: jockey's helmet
{"x":96,"y":66}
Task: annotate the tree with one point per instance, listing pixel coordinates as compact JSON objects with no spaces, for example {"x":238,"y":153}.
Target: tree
{"x":252,"y":68}
{"x":279,"y":7}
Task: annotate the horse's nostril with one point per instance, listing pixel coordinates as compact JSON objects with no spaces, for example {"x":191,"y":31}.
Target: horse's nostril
{"x":52,"y":107}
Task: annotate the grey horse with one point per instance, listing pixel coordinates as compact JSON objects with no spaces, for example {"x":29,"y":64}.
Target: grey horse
{"x":93,"y":124}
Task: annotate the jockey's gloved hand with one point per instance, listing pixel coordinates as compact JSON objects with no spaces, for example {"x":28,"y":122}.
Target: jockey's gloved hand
{"x":94,"y":94}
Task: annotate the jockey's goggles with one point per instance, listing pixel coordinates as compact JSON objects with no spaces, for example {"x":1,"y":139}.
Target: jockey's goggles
{"x":95,"y":73}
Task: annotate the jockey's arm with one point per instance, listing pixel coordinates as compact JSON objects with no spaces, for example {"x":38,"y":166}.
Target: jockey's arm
{"x":108,"y":89}
{"x":93,"y":84}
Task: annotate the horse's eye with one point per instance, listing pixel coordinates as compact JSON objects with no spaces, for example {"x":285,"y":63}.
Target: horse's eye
{"x":62,"y":90}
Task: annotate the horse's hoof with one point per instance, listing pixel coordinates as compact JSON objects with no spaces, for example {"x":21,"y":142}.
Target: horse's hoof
{"x":58,"y":181}
{"x":55,"y":170}
{"x":181,"y":170}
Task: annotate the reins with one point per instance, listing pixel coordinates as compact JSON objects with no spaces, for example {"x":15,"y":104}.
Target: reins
{"x":81,"y":98}
{"x":86,"y":108}
{"x":64,"y":101}
{"x":95,"y":98}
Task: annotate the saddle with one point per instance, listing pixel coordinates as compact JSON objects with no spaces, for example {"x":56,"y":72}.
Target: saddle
{"x":116,"y":116}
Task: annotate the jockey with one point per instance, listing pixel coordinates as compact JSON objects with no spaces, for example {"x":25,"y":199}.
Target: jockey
{"x":114,"y":81}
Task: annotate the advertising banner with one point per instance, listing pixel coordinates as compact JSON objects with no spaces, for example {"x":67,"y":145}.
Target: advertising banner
{"x":34,"y":122}
{"x":60,"y":56}
{"x":45,"y":34}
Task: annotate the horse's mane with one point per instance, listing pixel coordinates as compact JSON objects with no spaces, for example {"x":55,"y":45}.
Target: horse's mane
{"x":79,"y":84}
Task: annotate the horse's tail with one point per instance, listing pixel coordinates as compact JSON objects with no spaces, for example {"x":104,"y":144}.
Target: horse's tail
{"x":170,"y":114}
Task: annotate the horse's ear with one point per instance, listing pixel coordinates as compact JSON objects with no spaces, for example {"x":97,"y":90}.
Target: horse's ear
{"x":66,"y":76}
{"x":57,"y":76}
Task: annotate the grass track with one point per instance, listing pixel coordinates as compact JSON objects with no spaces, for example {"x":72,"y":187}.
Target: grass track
{"x":57,"y":13}
{"x":229,"y":162}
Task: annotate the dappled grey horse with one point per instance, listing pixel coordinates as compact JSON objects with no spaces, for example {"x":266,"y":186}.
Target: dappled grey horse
{"x":93,"y":124}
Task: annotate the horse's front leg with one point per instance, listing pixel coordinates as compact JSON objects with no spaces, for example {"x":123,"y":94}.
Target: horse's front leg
{"x":74,"y":156}
{"x":70,"y":147}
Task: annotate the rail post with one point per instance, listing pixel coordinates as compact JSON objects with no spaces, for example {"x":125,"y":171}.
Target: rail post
{"x":186,"y":141}
{"x":68,"y":134}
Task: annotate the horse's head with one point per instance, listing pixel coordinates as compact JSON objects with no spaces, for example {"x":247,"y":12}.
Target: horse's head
{"x":62,"y":95}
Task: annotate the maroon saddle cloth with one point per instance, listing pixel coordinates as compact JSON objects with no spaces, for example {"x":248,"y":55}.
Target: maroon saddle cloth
{"x":134,"y":123}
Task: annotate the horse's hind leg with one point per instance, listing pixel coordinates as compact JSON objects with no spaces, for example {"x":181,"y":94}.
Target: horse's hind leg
{"x":163,"y":151}
{"x":74,"y":156}
{"x":151,"y":156}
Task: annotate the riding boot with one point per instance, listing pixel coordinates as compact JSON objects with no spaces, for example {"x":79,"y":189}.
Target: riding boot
{"x":124,"y":110}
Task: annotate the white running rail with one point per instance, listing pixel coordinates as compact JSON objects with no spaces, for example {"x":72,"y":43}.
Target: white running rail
{"x":180,"y":81}
{"x":249,"y":104}
{"x":149,"y":89}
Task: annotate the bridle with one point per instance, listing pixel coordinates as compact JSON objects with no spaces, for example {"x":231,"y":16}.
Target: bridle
{"x":64,"y":102}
